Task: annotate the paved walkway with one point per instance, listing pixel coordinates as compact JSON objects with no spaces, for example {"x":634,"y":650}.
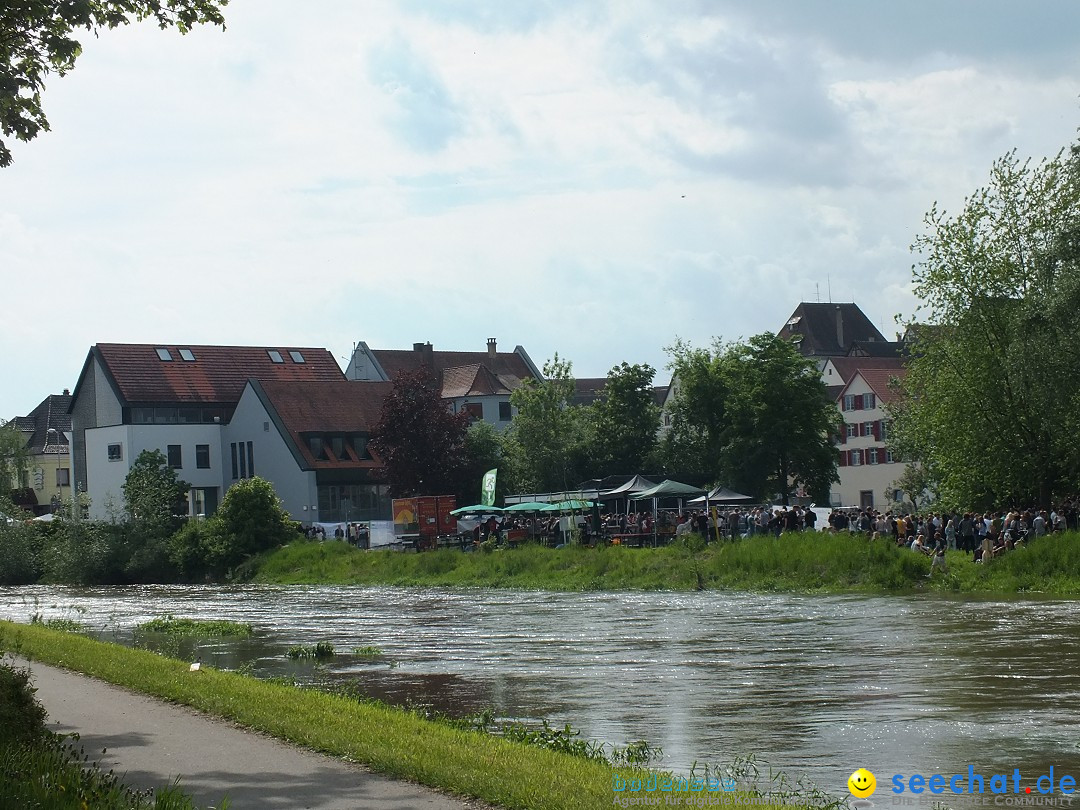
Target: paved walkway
{"x":150,"y":743}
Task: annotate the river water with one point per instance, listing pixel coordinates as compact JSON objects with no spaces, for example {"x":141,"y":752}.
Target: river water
{"x":814,"y":685}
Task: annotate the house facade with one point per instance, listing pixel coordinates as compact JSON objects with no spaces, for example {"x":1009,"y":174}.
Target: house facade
{"x":867,"y":467}
{"x":479,"y":383}
{"x":179,"y":400}
{"x":46,"y":482}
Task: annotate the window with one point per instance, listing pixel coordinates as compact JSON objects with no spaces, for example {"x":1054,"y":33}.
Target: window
{"x":359,"y":445}
{"x":202,"y":456}
{"x":243,"y":460}
{"x":868,"y":429}
{"x":266,"y":427}
{"x":474,"y":409}
{"x":318,"y":451}
{"x":235,"y":467}
{"x":337,"y":446}
{"x":251,"y":459}
{"x":275,"y":356}
{"x":884,"y":430}
{"x":505,"y":412}
{"x":873,"y":455}
{"x":868,"y":401}
{"x":116,"y":452}
{"x":163,"y":354}
{"x":63,"y":477}
{"x":175,"y":458}
{"x":296,"y":356}
{"x":890,"y":458}
{"x":852,"y":430}
{"x":186,"y":355}
{"x":849,"y":402}
{"x":856,"y":458}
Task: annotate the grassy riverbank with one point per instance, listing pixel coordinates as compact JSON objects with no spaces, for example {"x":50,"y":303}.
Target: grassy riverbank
{"x":801,"y":563}
{"x":392,"y":741}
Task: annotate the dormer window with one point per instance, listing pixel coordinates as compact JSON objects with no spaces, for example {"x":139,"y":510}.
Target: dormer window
{"x":163,"y":354}
{"x":296,"y":356}
{"x":186,"y":355}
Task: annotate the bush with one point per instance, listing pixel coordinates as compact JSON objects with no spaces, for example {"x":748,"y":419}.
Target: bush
{"x":20,"y":554}
{"x":22,"y":718}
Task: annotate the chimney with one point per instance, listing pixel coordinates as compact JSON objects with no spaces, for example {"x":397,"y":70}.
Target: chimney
{"x":67,"y":392}
{"x":840,"y":327}
{"x":491,"y":348}
{"x":427,"y":354}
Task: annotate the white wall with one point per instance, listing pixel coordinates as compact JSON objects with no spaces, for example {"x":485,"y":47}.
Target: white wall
{"x":491,"y":408}
{"x":106,"y":478}
{"x":273,"y":459}
{"x":875,"y":478}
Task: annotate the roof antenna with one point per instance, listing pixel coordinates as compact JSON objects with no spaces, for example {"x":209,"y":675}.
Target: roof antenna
{"x":817,"y":291}
{"x":828,"y":280}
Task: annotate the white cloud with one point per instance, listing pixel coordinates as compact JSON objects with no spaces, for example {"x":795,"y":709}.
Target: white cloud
{"x":587,"y":178}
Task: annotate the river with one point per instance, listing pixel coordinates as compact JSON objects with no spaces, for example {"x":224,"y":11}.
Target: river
{"x":814,"y":685}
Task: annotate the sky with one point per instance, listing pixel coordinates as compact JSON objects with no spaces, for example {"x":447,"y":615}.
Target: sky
{"x":587,"y":178}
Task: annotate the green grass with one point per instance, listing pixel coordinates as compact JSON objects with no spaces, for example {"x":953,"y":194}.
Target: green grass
{"x":815,"y":562}
{"x":174,"y":626}
{"x":392,"y":741}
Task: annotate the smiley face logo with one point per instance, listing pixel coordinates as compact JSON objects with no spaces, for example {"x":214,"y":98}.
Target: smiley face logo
{"x":862,"y":783}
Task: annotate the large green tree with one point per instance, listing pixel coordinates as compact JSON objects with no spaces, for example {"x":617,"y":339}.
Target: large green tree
{"x":421,"y":443}
{"x":154,"y":496}
{"x":692,"y":442}
{"x":37,"y":37}
{"x":992,"y":406}
{"x":13,"y":461}
{"x":759,"y":415}
{"x":547,"y":441}
{"x":624,"y":421}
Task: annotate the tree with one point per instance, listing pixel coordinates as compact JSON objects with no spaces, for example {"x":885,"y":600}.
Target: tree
{"x":421,"y":443}
{"x":483,"y":451}
{"x":13,"y":462}
{"x":781,"y":421}
{"x":624,"y":421}
{"x":153,"y":494}
{"x":990,"y":403}
{"x":691,"y":445}
{"x":36,"y":39}
{"x":547,"y":439}
{"x":759,"y":415}
{"x":250,"y":520}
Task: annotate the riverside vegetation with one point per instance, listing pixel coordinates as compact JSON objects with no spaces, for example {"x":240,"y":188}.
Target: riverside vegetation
{"x":803,"y":562}
{"x":510,"y":771}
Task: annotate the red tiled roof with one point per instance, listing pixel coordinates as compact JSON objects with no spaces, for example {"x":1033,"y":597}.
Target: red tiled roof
{"x":879,"y":378}
{"x":337,"y":407}
{"x":847,"y":366}
{"x":217,"y":375}
{"x":510,"y":367}
{"x":470,"y":381}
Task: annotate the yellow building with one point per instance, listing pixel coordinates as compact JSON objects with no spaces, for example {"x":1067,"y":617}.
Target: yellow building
{"x":46,"y":482}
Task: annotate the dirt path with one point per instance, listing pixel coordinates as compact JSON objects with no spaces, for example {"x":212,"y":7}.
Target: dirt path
{"x":150,"y":743}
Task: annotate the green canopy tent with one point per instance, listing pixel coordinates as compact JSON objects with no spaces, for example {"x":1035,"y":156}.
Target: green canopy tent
{"x":667,"y":489}
{"x":477,"y":509}
{"x":531,"y":506}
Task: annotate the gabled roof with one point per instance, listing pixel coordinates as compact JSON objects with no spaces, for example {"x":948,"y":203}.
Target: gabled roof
{"x":46,"y":424}
{"x":846,"y":367}
{"x":217,"y":374}
{"x":879,"y":381}
{"x":472,"y":380}
{"x":510,"y":367}
{"x":829,"y":330}
{"x":341,"y":407}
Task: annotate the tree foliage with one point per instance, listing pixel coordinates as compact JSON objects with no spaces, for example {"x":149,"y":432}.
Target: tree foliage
{"x":991,"y":404}
{"x":624,"y":421}
{"x":13,"y":463}
{"x":421,"y":443}
{"x":758,"y":415}
{"x":37,"y":37}
{"x":547,"y":441}
{"x":154,"y":496}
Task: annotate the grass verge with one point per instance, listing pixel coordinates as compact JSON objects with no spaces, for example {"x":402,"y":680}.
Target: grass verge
{"x":816,"y":562}
{"x":175,"y":626}
{"x":394,"y":742}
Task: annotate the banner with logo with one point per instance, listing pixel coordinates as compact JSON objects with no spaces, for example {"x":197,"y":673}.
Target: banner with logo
{"x":487,"y":488}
